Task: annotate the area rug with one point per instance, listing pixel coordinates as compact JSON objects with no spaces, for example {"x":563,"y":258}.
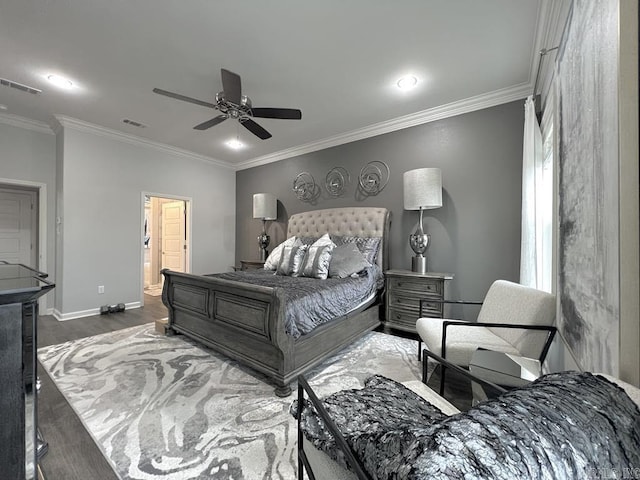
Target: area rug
{"x":167,"y":408}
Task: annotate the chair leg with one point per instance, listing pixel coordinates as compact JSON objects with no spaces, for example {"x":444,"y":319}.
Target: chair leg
{"x":419,"y":350}
{"x":424,"y":369}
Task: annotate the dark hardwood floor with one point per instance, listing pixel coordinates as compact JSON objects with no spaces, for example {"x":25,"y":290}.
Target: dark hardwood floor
{"x":73,"y":454}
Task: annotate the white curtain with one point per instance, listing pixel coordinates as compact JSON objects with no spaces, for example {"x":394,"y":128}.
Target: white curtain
{"x":531,"y":248}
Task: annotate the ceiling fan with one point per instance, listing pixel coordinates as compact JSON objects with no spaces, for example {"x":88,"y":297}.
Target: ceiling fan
{"x":232,"y":104}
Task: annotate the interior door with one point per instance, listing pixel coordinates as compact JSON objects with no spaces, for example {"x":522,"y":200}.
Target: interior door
{"x":18,"y":227}
{"x":174,"y":235}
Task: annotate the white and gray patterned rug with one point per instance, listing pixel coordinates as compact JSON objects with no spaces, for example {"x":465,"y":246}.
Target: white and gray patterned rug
{"x":167,"y":408}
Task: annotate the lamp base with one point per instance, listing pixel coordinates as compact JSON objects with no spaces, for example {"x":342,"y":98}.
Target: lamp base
{"x":263,"y":241}
{"x":419,"y":264}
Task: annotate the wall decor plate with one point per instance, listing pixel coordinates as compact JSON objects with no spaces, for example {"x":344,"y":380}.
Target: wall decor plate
{"x":373,"y":177}
{"x":336,"y":180}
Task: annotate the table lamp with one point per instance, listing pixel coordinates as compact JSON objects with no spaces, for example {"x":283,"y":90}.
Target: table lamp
{"x":422,"y":191}
{"x":265,"y":207}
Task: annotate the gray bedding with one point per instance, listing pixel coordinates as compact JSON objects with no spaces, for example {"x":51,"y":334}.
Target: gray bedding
{"x":310,"y":302}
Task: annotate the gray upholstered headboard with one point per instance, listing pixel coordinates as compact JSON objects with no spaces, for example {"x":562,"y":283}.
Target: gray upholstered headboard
{"x":357,"y":221}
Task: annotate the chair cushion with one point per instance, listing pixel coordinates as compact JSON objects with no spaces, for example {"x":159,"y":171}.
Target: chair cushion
{"x":461,"y":341}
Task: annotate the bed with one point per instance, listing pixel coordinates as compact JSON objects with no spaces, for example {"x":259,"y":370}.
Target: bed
{"x":247,"y":321}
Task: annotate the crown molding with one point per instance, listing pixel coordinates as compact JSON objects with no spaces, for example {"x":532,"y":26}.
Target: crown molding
{"x":468,"y":105}
{"x":21,"y":122}
{"x":74,"y":123}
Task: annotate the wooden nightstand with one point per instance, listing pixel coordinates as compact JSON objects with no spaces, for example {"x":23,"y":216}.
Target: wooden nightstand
{"x":403,"y":292}
{"x":251,"y":265}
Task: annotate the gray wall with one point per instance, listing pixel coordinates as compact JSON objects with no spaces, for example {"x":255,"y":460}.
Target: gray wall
{"x":101,"y":215}
{"x":29,"y":156}
{"x":475,"y":235}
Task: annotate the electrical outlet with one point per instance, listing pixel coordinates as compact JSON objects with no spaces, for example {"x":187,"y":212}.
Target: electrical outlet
{"x":100,"y":288}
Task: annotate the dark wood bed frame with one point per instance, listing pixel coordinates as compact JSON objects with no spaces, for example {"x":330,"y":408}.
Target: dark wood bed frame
{"x":246,"y":322}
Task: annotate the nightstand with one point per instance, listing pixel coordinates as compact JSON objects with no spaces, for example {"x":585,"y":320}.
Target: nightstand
{"x":251,"y":265}
{"x":403,"y":292}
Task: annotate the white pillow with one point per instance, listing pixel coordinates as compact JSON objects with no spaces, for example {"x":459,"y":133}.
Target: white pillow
{"x":274,"y":257}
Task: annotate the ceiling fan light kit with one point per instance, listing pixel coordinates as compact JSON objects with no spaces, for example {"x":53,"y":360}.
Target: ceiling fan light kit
{"x":231,"y":103}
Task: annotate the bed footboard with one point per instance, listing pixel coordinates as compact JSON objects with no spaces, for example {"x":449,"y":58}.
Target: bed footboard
{"x":246,"y":322}
{"x":240,"y":320}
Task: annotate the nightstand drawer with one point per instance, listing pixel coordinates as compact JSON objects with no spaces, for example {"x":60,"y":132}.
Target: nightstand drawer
{"x":412,"y":304}
{"x":251,"y":265}
{"x":419,"y":286}
{"x":402,"y":319}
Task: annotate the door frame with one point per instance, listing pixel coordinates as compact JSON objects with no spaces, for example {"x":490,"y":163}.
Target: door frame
{"x":41,"y":254}
{"x":189,"y":208}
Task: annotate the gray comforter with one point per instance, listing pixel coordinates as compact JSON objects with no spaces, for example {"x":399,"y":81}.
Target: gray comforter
{"x":567,"y":425}
{"x":310,"y":302}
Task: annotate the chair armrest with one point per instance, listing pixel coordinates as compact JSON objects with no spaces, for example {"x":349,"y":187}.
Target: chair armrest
{"x":549,"y":328}
{"x":341,"y":443}
{"x":437,"y":300}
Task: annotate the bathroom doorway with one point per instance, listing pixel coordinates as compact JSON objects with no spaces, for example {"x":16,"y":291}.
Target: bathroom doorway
{"x":166,"y":239}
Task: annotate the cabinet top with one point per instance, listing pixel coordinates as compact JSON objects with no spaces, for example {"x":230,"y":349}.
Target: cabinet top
{"x":409,"y":273}
{"x":18,"y":282}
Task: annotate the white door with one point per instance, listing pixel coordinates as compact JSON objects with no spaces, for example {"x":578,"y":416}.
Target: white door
{"x":18,"y":227}
{"x":173,"y":236}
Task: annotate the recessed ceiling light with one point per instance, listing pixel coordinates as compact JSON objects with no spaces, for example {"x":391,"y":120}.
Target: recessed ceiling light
{"x":235,"y":144}
{"x":59,"y":81}
{"x":407,"y":82}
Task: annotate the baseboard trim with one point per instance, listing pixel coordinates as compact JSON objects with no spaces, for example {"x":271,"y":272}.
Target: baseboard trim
{"x":88,"y":313}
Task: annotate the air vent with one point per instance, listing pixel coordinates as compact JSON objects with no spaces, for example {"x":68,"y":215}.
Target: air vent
{"x":134,"y":123}
{"x":19,"y":86}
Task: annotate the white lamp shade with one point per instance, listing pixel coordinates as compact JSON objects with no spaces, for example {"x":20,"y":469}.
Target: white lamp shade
{"x":265,"y":206}
{"x":422,"y":188}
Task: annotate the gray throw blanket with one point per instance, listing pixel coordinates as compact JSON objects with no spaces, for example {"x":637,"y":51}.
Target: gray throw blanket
{"x":567,"y":425}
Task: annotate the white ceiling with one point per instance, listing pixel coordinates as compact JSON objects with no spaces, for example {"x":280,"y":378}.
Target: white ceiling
{"x":336,"y":60}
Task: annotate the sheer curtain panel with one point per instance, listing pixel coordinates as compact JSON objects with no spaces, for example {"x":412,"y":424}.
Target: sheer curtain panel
{"x":532,"y":182}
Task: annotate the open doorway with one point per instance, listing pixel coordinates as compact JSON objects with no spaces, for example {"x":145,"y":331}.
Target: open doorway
{"x":166,"y":239}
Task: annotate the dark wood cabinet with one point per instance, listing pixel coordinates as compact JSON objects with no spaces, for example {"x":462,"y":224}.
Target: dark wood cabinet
{"x":20,"y":287}
{"x":403,"y":292}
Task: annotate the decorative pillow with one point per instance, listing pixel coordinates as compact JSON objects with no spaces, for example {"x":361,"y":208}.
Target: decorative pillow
{"x":369,"y":246}
{"x":316,"y":261}
{"x":274,"y":257}
{"x":291,"y":260}
{"x":347,"y":260}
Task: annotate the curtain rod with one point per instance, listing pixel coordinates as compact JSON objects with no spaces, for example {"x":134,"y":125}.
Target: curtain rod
{"x":543,"y":52}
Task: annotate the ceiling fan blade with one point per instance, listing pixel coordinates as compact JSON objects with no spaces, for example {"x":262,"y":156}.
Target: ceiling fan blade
{"x":283,"y":113}
{"x":184,"y":98}
{"x":211,"y":123}
{"x":254,"y":128}
{"x":231,"y":86}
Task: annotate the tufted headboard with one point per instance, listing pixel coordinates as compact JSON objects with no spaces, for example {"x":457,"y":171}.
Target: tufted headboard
{"x":357,"y":221}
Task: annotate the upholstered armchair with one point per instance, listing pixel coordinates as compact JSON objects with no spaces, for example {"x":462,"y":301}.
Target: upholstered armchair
{"x":513,"y":319}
